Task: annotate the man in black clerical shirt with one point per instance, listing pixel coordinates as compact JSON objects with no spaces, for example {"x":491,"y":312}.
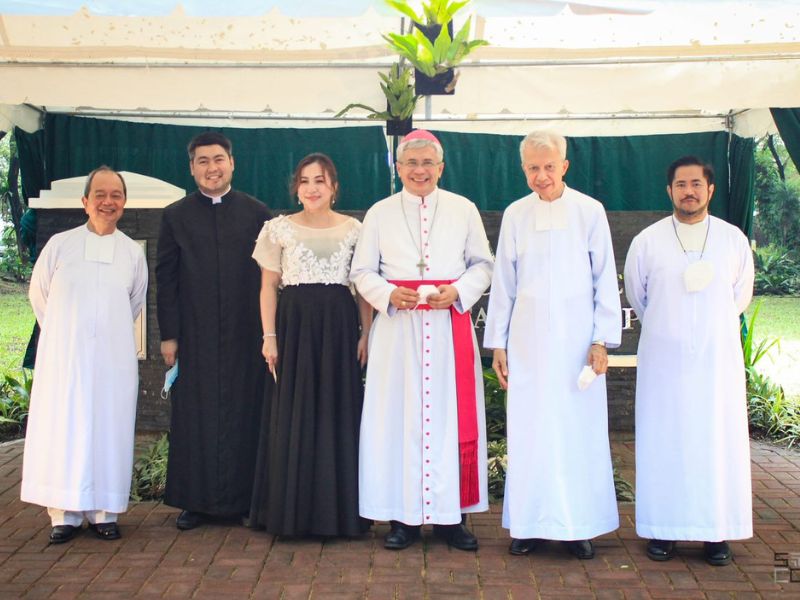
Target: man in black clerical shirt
{"x":208,"y":314}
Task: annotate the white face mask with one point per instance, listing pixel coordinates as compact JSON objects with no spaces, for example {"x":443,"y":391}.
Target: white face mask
{"x":698,"y":275}
{"x":586,"y":377}
{"x":169,"y":378}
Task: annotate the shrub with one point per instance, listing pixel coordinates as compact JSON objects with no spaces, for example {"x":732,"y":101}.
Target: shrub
{"x":15,"y":400}
{"x":777,"y":273}
{"x":769,"y":411}
{"x":150,"y":471}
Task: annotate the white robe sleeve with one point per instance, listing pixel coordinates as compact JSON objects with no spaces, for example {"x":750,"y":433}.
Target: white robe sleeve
{"x":504,"y":288}
{"x":42,"y":275}
{"x":365,"y":268}
{"x":635,"y":280}
{"x":743,"y":286}
{"x":607,"y":308}
{"x":139,"y":288}
{"x":479,"y":261}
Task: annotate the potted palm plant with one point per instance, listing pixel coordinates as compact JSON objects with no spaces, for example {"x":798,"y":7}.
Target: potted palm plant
{"x":400,"y":101}
{"x":431,"y":46}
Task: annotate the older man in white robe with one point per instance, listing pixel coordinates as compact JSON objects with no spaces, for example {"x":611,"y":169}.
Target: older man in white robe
{"x":689,"y":277}
{"x":422,"y":261}
{"x":553,"y":309}
{"x":86,"y":289}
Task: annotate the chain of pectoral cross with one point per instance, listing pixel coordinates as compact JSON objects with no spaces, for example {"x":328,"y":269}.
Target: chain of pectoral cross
{"x":421,"y":265}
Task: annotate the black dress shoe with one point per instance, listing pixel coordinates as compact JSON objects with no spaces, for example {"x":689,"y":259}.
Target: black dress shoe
{"x":63,"y":533}
{"x":660,"y":550}
{"x":188,"y":520}
{"x":582,"y":549}
{"x":106,"y":531}
{"x":401,"y":536}
{"x":718,"y":554}
{"x":457,"y":536}
{"x":521,"y":547}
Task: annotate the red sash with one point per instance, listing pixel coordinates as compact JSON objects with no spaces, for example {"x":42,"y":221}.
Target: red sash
{"x":465,"y":393}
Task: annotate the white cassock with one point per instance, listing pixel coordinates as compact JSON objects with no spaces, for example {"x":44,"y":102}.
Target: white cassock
{"x":409,"y":455}
{"x":79,"y":442}
{"x":692,"y":441}
{"x":554,"y":292}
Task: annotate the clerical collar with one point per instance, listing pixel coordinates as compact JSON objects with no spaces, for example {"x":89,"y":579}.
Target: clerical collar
{"x":406,"y":195}
{"x":215,"y":199}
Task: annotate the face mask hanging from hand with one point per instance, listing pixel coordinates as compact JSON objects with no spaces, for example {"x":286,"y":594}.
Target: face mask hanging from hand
{"x":169,"y":378}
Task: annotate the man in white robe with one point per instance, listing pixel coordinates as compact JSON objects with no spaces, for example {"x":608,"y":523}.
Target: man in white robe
{"x":689,"y":277}
{"x":553,"y":309}
{"x":423,"y":442}
{"x":86,"y":289}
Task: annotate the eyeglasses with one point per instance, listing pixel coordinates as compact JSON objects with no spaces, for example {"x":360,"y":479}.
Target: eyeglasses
{"x":425,"y":164}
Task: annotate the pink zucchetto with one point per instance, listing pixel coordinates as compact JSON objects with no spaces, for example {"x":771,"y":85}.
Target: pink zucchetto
{"x":420,"y":134}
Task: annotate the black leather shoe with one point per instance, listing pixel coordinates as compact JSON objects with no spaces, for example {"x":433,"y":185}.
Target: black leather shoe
{"x":660,"y":550}
{"x":457,"y":536}
{"x":63,"y":533}
{"x":521,"y":547}
{"x":401,"y":536}
{"x":188,"y":520}
{"x":718,"y":554}
{"x":106,"y":531}
{"x":582,"y":549}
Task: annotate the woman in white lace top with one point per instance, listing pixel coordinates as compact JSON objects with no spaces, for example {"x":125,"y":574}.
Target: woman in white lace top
{"x":307,"y":469}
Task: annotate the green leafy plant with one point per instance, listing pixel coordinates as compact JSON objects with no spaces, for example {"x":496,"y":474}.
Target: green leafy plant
{"x":434,"y":12}
{"x":754,"y":351}
{"x":623,"y":488}
{"x":150,"y":471}
{"x":770,"y":412}
{"x":498,"y":465}
{"x":433,"y":58}
{"x":777,"y":273}
{"x":495,"y":398}
{"x":15,"y":400}
{"x":401,"y":100}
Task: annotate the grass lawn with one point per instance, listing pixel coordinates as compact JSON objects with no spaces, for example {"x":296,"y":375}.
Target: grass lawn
{"x":778,"y":316}
{"x":16,"y":323}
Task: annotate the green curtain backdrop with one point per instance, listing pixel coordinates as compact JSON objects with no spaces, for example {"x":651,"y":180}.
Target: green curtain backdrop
{"x":625,"y":173}
{"x":787,"y":120}
{"x":264,"y":158}
{"x":743,"y":177}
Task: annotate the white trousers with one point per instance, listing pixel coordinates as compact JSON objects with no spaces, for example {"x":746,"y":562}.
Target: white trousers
{"x":75,"y":517}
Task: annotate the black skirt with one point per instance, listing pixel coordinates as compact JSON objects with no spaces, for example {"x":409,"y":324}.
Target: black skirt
{"x":306,"y":480}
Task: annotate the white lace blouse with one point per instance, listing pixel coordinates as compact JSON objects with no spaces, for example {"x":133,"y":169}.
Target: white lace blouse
{"x":307,"y":254}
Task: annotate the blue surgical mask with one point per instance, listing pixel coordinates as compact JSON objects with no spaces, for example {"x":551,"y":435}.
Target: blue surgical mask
{"x":169,"y":378}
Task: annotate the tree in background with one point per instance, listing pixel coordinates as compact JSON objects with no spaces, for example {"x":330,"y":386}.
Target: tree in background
{"x":777,"y":220}
{"x":14,"y":257}
{"x":777,"y":191}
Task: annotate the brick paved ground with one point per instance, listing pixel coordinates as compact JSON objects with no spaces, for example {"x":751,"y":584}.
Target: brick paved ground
{"x":154,"y":560}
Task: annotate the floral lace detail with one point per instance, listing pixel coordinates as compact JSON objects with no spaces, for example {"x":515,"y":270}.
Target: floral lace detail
{"x":299,"y":264}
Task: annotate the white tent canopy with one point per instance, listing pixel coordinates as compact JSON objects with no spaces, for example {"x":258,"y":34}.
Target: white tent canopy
{"x":587,"y":68}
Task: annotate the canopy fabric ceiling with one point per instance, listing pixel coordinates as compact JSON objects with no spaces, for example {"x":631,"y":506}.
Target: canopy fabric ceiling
{"x":588,"y":68}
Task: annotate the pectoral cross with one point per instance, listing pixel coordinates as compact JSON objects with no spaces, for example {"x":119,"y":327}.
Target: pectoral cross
{"x":421,"y":266}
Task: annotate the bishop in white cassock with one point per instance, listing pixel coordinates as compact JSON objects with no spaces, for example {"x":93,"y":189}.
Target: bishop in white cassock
{"x":86,"y":289}
{"x":553,"y":309}
{"x":423,"y":441}
{"x":689,"y":277}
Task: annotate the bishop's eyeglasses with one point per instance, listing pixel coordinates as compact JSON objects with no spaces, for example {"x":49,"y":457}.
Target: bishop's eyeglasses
{"x":425,"y":164}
